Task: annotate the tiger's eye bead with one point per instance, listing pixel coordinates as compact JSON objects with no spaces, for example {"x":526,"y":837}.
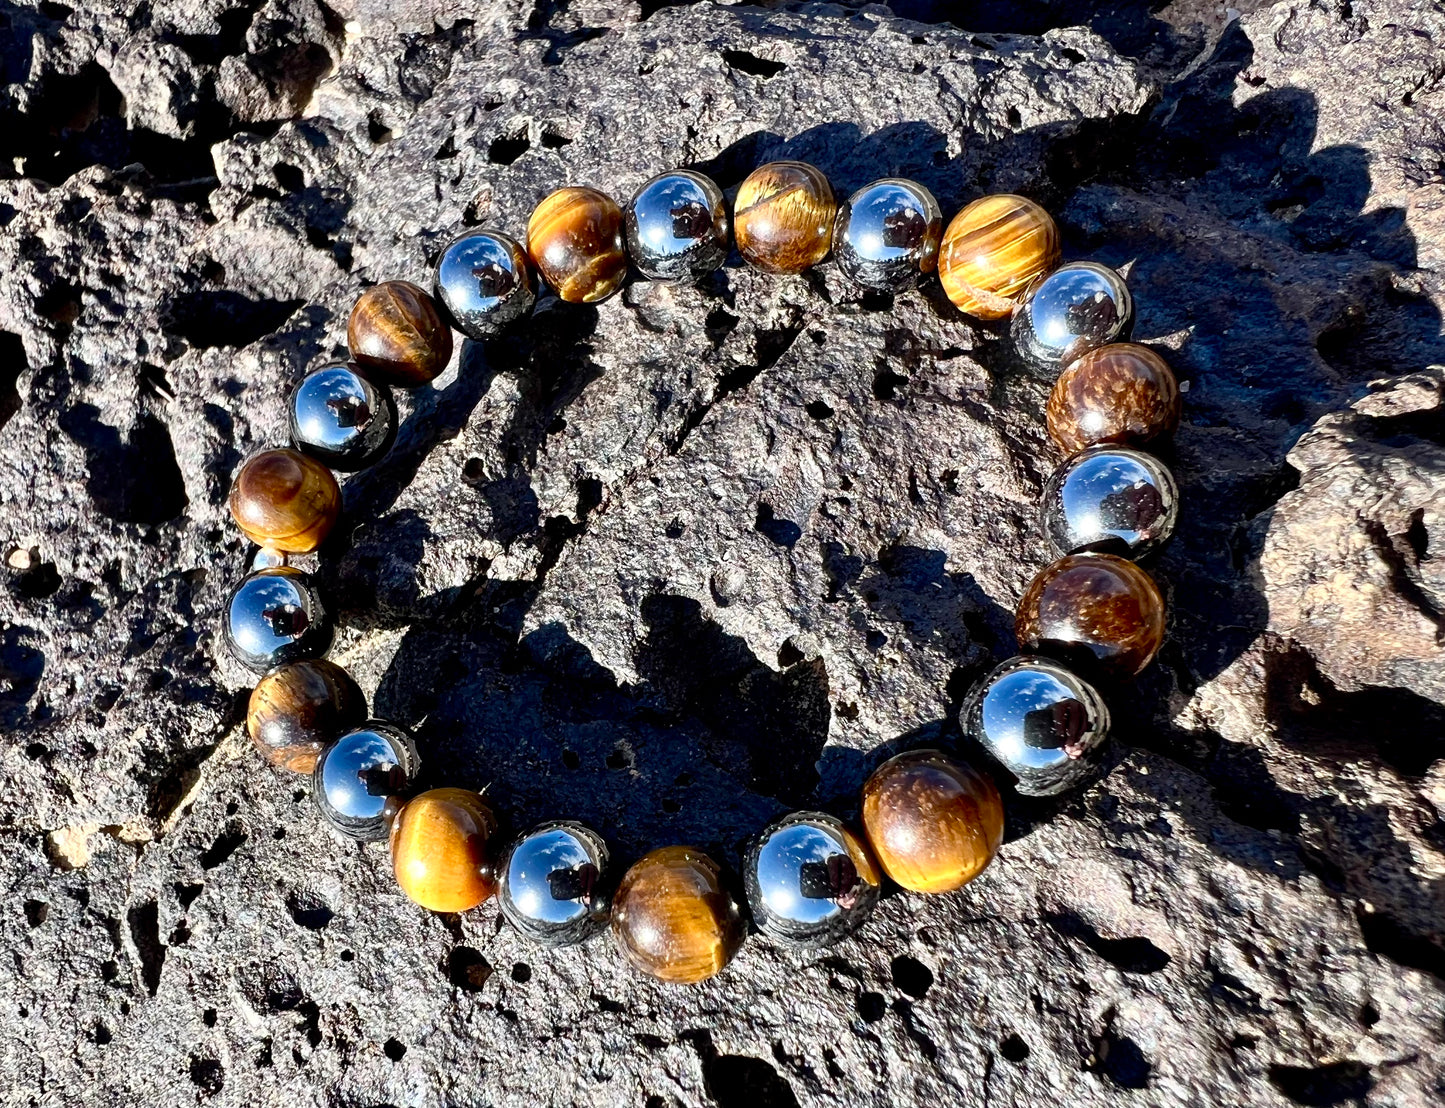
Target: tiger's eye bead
{"x":677,"y":226}
{"x":1042,"y":723}
{"x":275,"y":616}
{"x":341,"y":418}
{"x":358,"y":774}
{"x":552,"y":886}
{"x":439,"y":849}
{"x":1121,"y":393}
{"x":283,"y":500}
{"x":933,"y":823}
{"x":809,"y":880}
{"x":991,"y":252}
{"x":298,"y":708}
{"x":484,"y":281}
{"x":672,"y":917}
{"x":396,"y":332}
{"x":887,"y":235}
{"x":1110,"y":499}
{"x":1076,"y":308}
{"x":783,"y":217}
{"x":1098,"y":612}
{"x":574,"y":238}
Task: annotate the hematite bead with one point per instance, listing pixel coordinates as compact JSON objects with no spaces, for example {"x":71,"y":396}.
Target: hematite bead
{"x":340,"y":418}
{"x":992,"y":250}
{"x":553,"y":884}
{"x":1098,"y":612}
{"x":396,"y":332}
{"x":672,"y":917}
{"x":1121,"y":393}
{"x":359,"y":776}
{"x":809,"y":880}
{"x":783,"y":217}
{"x":276,"y":616}
{"x":1111,"y":500}
{"x":440,"y":849}
{"x":298,"y":708}
{"x":1077,"y":307}
{"x":284,"y":500}
{"x":574,"y":238}
{"x":1045,"y":725}
{"x":484,"y":281}
{"x":887,"y":235}
{"x":934,"y":824}
{"x":677,"y":226}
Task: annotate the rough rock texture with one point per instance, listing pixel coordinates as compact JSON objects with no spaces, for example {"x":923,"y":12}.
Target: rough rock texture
{"x":678,"y":562}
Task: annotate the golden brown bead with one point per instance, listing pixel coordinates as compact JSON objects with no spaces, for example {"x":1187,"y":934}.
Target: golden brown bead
{"x":1099,"y":612}
{"x":992,"y":250}
{"x":285,"y":501}
{"x":396,"y":331}
{"x":673,"y":918}
{"x":439,"y":849}
{"x":574,"y":238}
{"x":933,"y":823}
{"x":783,"y":217}
{"x":1122,"y":393}
{"x":298,"y":708}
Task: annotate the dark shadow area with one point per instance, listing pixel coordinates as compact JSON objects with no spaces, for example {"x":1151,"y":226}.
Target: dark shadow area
{"x":132,"y":478}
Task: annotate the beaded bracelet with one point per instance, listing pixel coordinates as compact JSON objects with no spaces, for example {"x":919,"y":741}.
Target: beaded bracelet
{"x":930,"y":823}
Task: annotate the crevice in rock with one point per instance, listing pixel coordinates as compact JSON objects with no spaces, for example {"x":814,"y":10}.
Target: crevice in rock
{"x":145,"y":933}
{"x":1132,"y":954}
{"x":1325,"y":1085}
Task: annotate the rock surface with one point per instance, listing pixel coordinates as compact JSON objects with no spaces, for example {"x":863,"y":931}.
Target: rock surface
{"x":678,"y":562}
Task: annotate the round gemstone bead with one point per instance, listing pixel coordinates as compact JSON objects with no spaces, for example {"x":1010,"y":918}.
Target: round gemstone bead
{"x":1076,"y":308}
{"x":1042,"y":723}
{"x":440,"y":849}
{"x":992,"y":250}
{"x":340,"y":418}
{"x":574,"y":238}
{"x":1112,"y":500}
{"x":552,"y":886}
{"x":285,"y":501}
{"x":677,"y":226}
{"x":1122,"y":393}
{"x":783,"y":217}
{"x":485,"y":282}
{"x":672,"y":917}
{"x":298,"y":708}
{"x":809,"y":880}
{"x":1098,"y":612}
{"x":396,"y":333}
{"x":275,"y":616}
{"x":887,"y":235}
{"x":360,"y":778}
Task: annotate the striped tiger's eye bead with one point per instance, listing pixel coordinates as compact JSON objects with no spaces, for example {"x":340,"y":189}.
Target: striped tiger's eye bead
{"x":285,"y":501}
{"x":672,"y":917}
{"x":439,"y":849}
{"x":1100,"y":613}
{"x":783,"y":217}
{"x":991,"y":252}
{"x":933,"y":823}
{"x":396,"y":331}
{"x":297,"y":709}
{"x":1121,"y":393}
{"x":574,"y":239}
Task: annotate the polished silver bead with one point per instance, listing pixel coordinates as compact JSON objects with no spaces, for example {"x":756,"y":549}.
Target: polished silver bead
{"x":1041,"y":722}
{"x":554,"y":883}
{"x":1066,"y":313}
{"x":887,"y":235}
{"x":361,"y":778}
{"x":485,"y":282}
{"x":340,"y":417}
{"x":809,"y":880}
{"x":677,"y":226}
{"x":1110,"y":499}
{"x":274,"y":616}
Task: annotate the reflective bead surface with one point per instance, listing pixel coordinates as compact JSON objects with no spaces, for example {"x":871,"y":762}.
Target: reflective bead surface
{"x":276,"y":616}
{"x":553,"y":884}
{"x":283,"y":500}
{"x":1101,"y":614}
{"x":992,"y":250}
{"x":485,"y":282}
{"x":783,"y":217}
{"x":887,"y":235}
{"x":677,"y":226}
{"x":396,"y":333}
{"x":298,"y":708}
{"x":1122,"y":393}
{"x":441,"y":849}
{"x":359,"y":778}
{"x":1042,"y":723}
{"x":673,"y":918}
{"x":575,"y":240}
{"x":1077,"y":307}
{"x":809,"y":880}
{"x":341,"y":418}
{"x":1112,"y":500}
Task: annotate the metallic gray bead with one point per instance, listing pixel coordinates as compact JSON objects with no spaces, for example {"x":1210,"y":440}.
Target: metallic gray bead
{"x":342,"y":418}
{"x":275,"y":616}
{"x":553,"y":884}
{"x":1066,"y":313}
{"x":887,"y":235}
{"x":360,"y":779}
{"x":809,"y":880}
{"x":1041,"y":722}
{"x":1110,"y":499}
{"x":484,"y":281}
{"x":677,"y":226}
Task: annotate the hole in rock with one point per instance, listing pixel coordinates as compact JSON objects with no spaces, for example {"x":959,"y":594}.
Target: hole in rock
{"x":521,"y":973}
{"x":225,"y":844}
{"x":872,"y":1007}
{"x":309,"y":910}
{"x":912,"y":977}
{"x":35,"y":912}
{"x":1321,"y":1086}
{"x":747,"y":62}
{"x":505,"y":149}
{"x":467,"y":969}
{"x":737,"y":1081}
{"x":394,"y":1049}
{"x":145,"y":933}
{"x":207,"y":1074}
{"x":783,"y":532}
{"x":1014,"y":1049}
